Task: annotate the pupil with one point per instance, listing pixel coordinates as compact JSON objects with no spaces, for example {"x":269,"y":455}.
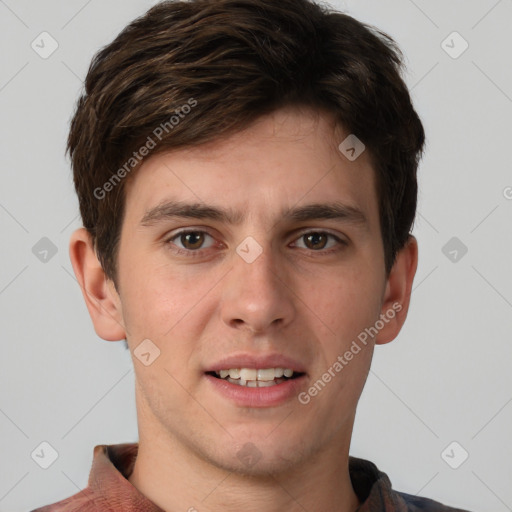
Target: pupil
{"x":192,"y":240}
{"x":314,"y":238}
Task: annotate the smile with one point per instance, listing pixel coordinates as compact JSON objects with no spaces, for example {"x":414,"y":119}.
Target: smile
{"x":256,"y":377}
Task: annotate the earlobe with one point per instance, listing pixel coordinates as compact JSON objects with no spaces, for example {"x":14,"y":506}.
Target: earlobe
{"x":100,"y":296}
{"x":398,"y":292}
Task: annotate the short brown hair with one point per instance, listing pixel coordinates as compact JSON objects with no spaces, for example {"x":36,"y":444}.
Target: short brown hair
{"x":230,"y":62}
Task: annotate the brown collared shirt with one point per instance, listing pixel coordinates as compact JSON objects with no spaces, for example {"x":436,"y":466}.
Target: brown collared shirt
{"x":109,"y":489}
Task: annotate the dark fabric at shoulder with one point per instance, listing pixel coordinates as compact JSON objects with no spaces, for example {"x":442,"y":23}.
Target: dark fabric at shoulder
{"x":363,"y":475}
{"x":419,"y":504}
{"x":375,"y":492}
{"x":123,"y":457}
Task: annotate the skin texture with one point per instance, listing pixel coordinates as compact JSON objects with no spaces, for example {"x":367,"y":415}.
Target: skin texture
{"x":296,"y":298}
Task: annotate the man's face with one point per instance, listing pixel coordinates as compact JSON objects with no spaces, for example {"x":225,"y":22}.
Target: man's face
{"x":316,"y":285}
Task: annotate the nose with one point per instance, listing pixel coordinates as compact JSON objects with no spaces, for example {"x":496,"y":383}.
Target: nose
{"x":257,"y":295}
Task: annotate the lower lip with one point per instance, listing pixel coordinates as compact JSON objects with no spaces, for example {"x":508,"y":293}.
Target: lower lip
{"x":270,"y":396}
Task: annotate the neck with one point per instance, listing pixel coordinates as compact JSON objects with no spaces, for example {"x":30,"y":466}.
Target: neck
{"x":174,"y":477}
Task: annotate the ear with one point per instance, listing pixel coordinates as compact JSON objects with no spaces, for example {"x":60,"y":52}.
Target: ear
{"x":101,"y":297}
{"x":398,"y":292}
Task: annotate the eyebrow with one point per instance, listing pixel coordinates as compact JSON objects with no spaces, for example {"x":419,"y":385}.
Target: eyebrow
{"x":170,"y":210}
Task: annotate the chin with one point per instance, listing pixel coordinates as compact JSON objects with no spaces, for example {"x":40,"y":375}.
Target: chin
{"x":259,"y":456}
{"x":261,"y":464}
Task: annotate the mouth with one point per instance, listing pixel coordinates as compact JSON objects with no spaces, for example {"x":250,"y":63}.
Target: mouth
{"x":256,"y":380}
{"x":256,"y":377}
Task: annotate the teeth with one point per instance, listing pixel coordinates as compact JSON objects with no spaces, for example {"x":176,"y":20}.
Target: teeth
{"x":267,"y":374}
{"x":266,"y":384}
{"x":234,"y":373}
{"x":252,"y":377}
{"x":255,"y":383}
{"x":248,"y":373}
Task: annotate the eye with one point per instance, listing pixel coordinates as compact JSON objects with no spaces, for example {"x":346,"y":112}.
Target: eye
{"x":318,"y":240}
{"x":190,"y":240}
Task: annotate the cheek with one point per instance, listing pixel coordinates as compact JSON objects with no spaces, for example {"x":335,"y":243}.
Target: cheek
{"x":348,"y":308}
{"x":346,"y":303}
{"x":162,"y":305}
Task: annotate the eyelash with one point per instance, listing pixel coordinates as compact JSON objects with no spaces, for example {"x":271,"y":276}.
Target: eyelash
{"x":198,"y":253}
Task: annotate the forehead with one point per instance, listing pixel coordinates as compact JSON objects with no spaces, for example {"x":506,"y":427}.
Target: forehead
{"x":284,"y":159}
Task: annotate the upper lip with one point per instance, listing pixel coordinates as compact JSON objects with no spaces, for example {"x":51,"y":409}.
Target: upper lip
{"x":256,"y":361}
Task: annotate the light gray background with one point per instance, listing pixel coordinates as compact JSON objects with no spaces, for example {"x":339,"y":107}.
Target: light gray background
{"x":445,"y":378}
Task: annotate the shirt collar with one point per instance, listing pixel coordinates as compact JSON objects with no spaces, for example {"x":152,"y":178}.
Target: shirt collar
{"x":112,"y":465}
